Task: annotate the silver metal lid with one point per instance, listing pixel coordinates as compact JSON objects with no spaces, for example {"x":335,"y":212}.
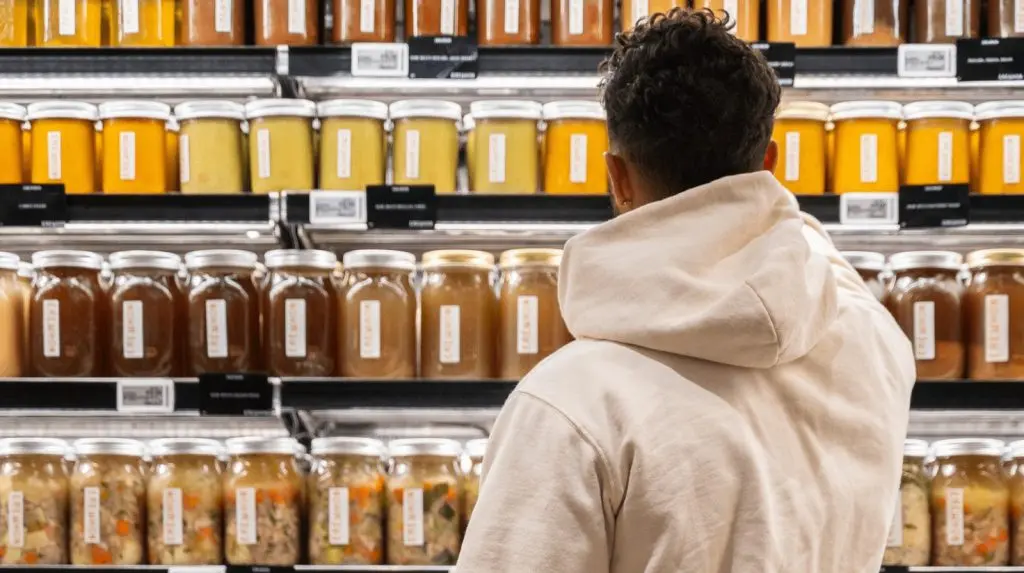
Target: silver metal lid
{"x":424,"y":447}
{"x":430,"y":108}
{"x":968,"y":447}
{"x":135,"y":109}
{"x":9,"y":261}
{"x":926,"y":260}
{"x":915,"y":448}
{"x":259,"y":445}
{"x":348,"y":446}
{"x":352,"y":108}
{"x":109,"y":446}
{"x":938,"y":110}
{"x":865,"y":260}
{"x":74,"y":259}
{"x":301,"y":258}
{"x":379,"y":258}
{"x":185,"y":446}
{"x":33,"y":446}
{"x":62,"y":109}
{"x":209,"y":109}
{"x":144,"y":260}
{"x":476,"y":448}
{"x":280,"y":107}
{"x":221,"y":258}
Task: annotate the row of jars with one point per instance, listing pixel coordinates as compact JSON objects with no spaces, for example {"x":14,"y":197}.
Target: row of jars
{"x":287,"y":144}
{"x":298,"y":316}
{"x":250,"y":501}
{"x":866,"y":146}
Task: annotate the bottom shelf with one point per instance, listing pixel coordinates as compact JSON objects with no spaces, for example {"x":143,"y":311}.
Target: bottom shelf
{"x":393,"y":569}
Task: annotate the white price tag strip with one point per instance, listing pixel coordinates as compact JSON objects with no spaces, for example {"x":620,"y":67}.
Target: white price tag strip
{"x":333,"y":207}
{"x":145,"y":395}
{"x":926,"y":61}
{"x":869,"y":208}
{"x":380,"y":60}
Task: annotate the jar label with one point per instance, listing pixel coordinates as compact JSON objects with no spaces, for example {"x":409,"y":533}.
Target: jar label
{"x":53,"y":156}
{"x":297,"y":17}
{"x":869,"y":158}
{"x":216,"y":328}
{"x":129,"y":17}
{"x":184,"y":159}
{"x":997,"y":328}
{"x":864,"y":18}
{"x":295,"y":328}
{"x":954,"y":18}
{"x":367,"y":15}
{"x":1011,"y":159}
{"x":954,"y":516}
{"x":91,"y":515}
{"x":578,"y":158}
{"x":527,"y":312}
{"x":15,"y":519}
{"x":732,"y":8}
{"x":640,"y":10}
{"x":896,"y":527}
{"x":1018,"y":17}
{"x":172,"y":510}
{"x":412,"y":154}
{"x":131,"y":329}
{"x":344,"y":153}
{"x":447,"y":17}
{"x":450,"y":337}
{"x":792,"y":156}
{"x":263,"y":154}
{"x":66,"y":17}
{"x":575,"y":17}
{"x":924,"y":330}
{"x":337,"y":516}
{"x":222,"y":16}
{"x":945,"y":156}
{"x":127,"y":153}
{"x":511,"y":16}
{"x":245,"y":515}
{"x":798,"y":17}
{"x":412,"y":517}
{"x":369,"y":329}
{"x":51,"y":328}
{"x":496,"y":158}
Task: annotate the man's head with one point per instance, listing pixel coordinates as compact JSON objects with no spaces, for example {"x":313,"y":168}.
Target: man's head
{"x":687,"y":103}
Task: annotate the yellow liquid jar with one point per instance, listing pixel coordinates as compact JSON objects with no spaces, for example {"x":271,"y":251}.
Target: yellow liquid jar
{"x":12,"y":117}
{"x":800,"y":135}
{"x":281,"y":144}
{"x":134,"y":147}
{"x":143,"y":23}
{"x":426,"y":143}
{"x":211,"y":150}
{"x":14,"y":23}
{"x":172,"y":159}
{"x":69,"y":23}
{"x":64,"y":144}
{"x":938,"y":142}
{"x":352,"y":144}
{"x":866,"y":147}
{"x":504,"y":147}
{"x":999,"y":145}
{"x":575,"y":141}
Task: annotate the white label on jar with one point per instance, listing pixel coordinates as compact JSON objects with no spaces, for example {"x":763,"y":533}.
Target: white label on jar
{"x":447,"y":17}
{"x":450,"y":337}
{"x":184,"y":159}
{"x":640,"y":10}
{"x":945,"y":156}
{"x":15,"y":519}
{"x":798,"y":17}
{"x":66,"y":17}
{"x":575,"y":17}
{"x":511,"y":16}
{"x":297,"y":17}
{"x":1011,"y":159}
{"x":51,"y":328}
{"x":173,"y":533}
{"x":792,"y":156}
{"x":864,"y":18}
{"x":496,"y":158}
{"x":344,"y":153}
{"x":295,"y":328}
{"x":412,"y":154}
{"x":367,"y":14}
{"x":924,"y":330}
{"x":53,"y":156}
{"x":869,"y":158}
{"x":954,"y":516}
{"x":91,"y":515}
{"x":412,"y":517}
{"x":245,"y":515}
{"x":527,"y":314}
{"x":1018,"y":17}
{"x":997,"y":328}
{"x":216,"y":328}
{"x":732,"y":8}
{"x":896,"y":526}
{"x":337,"y":516}
{"x":954,"y":17}
{"x":222,"y":16}
{"x":369,"y":329}
{"x":129,"y":16}
{"x":131,"y":329}
{"x":578,"y":158}
{"x":127,"y":155}
{"x":263,"y":154}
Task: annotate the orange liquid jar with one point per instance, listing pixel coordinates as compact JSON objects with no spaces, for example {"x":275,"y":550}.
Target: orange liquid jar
{"x":575,"y":142}
{"x":135,"y":146}
{"x":938,"y":142}
{"x":64,"y":144}
{"x":12,"y":116}
{"x":866,"y":136}
{"x":800,"y":135}
{"x":1000,"y":154}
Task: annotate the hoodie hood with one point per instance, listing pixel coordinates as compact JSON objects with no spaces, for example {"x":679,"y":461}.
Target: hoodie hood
{"x":721,"y":272}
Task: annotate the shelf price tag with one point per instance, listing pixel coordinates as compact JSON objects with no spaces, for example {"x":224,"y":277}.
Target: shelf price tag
{"x":869,"y":208}
{"x":929,"y":206}
{"x":33,"y":206}
{"x":895,"y":569}
{"x":443,"y":57}
{"x":380,"y":60}
{"x":926,"y":61}
{"x":782,"y":58}
{"x":235,"y":395}
{"x":401,"y":207}
{"x":990,"y":60}
{"x":145,"y":396}
{"x":337,"y":207}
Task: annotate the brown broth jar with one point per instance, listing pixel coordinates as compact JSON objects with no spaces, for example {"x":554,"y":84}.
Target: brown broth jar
{"x":286,"y":22}
{"x":995,"y":315}
{"x":582,"y":22}
{"x":223,"y":312}
{"x":212,"y":23}
{"x":436,"y":18}
{"x":364,"y":21}
{"x":925,"y":297}
{"x":870,"y":267}
{"x":68,"y":315}
{"x":1005,"y":18}
{"x":945,"y":21}
{"x":507,"y":22}
{"x":458,"y":310}
{"x":299,"y":309}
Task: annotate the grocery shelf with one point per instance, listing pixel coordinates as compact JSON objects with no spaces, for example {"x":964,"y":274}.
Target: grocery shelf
{"x":83,"y":394}
{"x":343,"y":393}
{"x":967,"y":395}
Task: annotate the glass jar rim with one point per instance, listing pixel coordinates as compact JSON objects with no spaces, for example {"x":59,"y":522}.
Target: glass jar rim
{"x":185,"y":446}
{"x":519,"y":257}
{"x":910,"y":260}
{"x":209,"y":109}
{"x":505,"y":109}
{"x":284,"y":107}
{"x":457,"y":258}
{"x":67,"y":258}
{"x":122,"y":260}
{"x":263,"y":445}
{"x":34,"y":446}
{"x":998,"y":109}
{"x":109,"y":446}
{"x":476,"y":449}
{"x":867,"y":260}
{"x":995,"y":258}
{"x":221,"y":258}
{"x":408,"y":447}
{"x":915,"y":448}
{"x":317,"y":259}
{"x":425,"y":108}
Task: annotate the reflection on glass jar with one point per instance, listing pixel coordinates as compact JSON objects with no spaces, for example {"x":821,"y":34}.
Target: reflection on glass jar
{"x":147,"y":321}
{"x":423,"y":502}
{"x":994,"y":306}
{"x":910,"y":534}
{"x":475,"y":450}
{"x":1005,"y":18}
{"x":14,"y":23}
{"x":1000,"y":154}
{"x":799,"y":132}
{"x":67,"y":318}
{"x":938,"y":146}
{"x":281,"y":154}
{"x":745,"y":13}
{"x":866,"y":146}
{"x":34,"y":494}
{"x":870,"y":267}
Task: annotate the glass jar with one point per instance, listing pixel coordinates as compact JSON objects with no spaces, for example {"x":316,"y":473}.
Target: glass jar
{"x":506,"y":154}
{"x":970,"y":502}
{"x":14,"y":23}
{"x":875,"y":22}
{"x":475,"y":450}
{"x":426,"y":143}
{"x":364,"y":21}
{"x":436,"y":18}
{"x":924,"y":296}
{"x":994,"y":301}
{"x":423,"y":502}
{"x":184,"y":497}
{"x":134,"y":146}
{"x":67,"y":319}
{"x":69,"y":23}
{"x":12,"y":315}
{"x":377,"y":335}
{"x":1000,"y":152}
{"x":799,"y":132}
{"x":457,"y":315}
{"x":807,"y":23}
{"x":171,"y":159}
{"x":353,"y":144}
{"x":223,"y":312}
{"x":870,"y":267}
{"x":575,"y":141}
{"x":286,"y":22}
{"x":346,"y":502}
{"x":910,"y":534}
{"x":64,"y":144}
{"x":582,"y":22}
{"x":530,"y":326}
{"x":469,"y":144}
{"x":299,"y":310}
{"x":34,"y":501}
{"x":745,"y":13}
{"x":108,"y":502}
{"x":210,"y":147}
{"x":507,"y":22}
{"x":1005,"y":18}
{"x":944,"y":21}
{"x":1015,"y":470}
{"x":212,"y":23}
{"x":281,"y":144}
{"x":12,"y":116}
{"x":866,"y":146}
{"x":938,"y":147}
{"x":635,"y":10}
{"x":26,"y":274}
{"x":142,"y":23}
{"x":263,"y":499}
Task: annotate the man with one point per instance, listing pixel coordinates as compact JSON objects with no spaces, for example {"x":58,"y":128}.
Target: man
{"x":737,"y":399}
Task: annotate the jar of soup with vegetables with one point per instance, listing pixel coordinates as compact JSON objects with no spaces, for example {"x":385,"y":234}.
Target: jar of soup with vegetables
{"x":1014,"y":465}
{"x":423,"y":502}
{"x":33,"y":501}
{"x":909,"y":540}
{"x":475,"y":450}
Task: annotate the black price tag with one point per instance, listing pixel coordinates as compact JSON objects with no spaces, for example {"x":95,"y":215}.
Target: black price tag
{"x":782,"y":58}
{"x":33,"y":206}
{"x":895,"y":569}
{"x":443,"y":57}
{"x":401,"y":207}
{"x":924,"y":206}
{"x":990,"y":60}
{"x":235,"y":395}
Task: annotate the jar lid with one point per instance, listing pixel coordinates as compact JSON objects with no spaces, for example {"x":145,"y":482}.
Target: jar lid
{"x":926,"y":260}
{"x":996,"y":257}
{"x":573,"y":109}
{"x":505,"y":108}
{"x":135,"y":109}
{"x":424,"y":447}
{"x":379,"y":258}
{"x":26,"y":270}
{"x":280,"y":107}
{"x":9,"y":261}
{"x":109,"y":446}
{"x":517,"y":257}
{"x":426,"y":108}
{"x":867,"y":109}
{"x":915,"y":448}
{"x":185,"y":446}
{"x":938,"y":109}
{"x":811,"y":110}
{"x":350,"y":446}
{"x":9,"y":110}
{"x":221,"y":258}
{"x":300,"y":258}
{"x":968,"y":447}
{"x":865,"y":260}
{"x":352,"y":108}
{"x":35,"y":446}
{"x":476,"y":448}
{"x":144,"y":260}
{"x":74,"y":259}
{"x":458,"y":258}
{"x":259,"y":445}
{"x":998,"y":109}
{"x":209,"y":109}
{"x":61,"y":109}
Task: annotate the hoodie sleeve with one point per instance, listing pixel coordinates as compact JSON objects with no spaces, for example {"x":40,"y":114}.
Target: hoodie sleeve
{"x":817,"y":237}
{"x":542,"y":503}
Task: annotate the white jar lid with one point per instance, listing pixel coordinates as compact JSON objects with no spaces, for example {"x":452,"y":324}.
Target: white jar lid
{"x":60,"y":109}
{"x":810,"y":110}
{"x":73,"y":259}
{"x":352,"y":108}
{"x":209,"y":109}
{"x":109,"y":446}
{"x":132,"y":109}
{"x":433,"y":108}
{"x":301,"y":258}
{"x":867,"y":109}
{"x":280,"y":107}
{"x":505,"y":109}
{"x":221,"y":258}
{"x":379,"y":258}
{"x":968,"y":447}
{"x":9,"y":110}
{"x":926,"y":260}
{"x":938,"y":110}
{"x":866,"y":260}
{"x":122,"y":260}
{"x":350,"y":446}
{"x":999,"y":109}
{"x":9,"y":261}
{"x":573,"y":109}
{"x":185,"y":446}
{"x":424,"y":447}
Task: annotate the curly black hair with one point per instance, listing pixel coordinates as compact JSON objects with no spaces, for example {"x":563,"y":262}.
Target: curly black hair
{"x":687,"y":101}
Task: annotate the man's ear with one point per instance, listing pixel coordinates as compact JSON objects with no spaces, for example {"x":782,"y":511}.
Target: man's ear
{"x":623,"y":193}
{"x":771,"y":156}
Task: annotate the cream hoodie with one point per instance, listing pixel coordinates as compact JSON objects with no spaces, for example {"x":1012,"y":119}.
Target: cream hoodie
{"x":736,"y":401}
